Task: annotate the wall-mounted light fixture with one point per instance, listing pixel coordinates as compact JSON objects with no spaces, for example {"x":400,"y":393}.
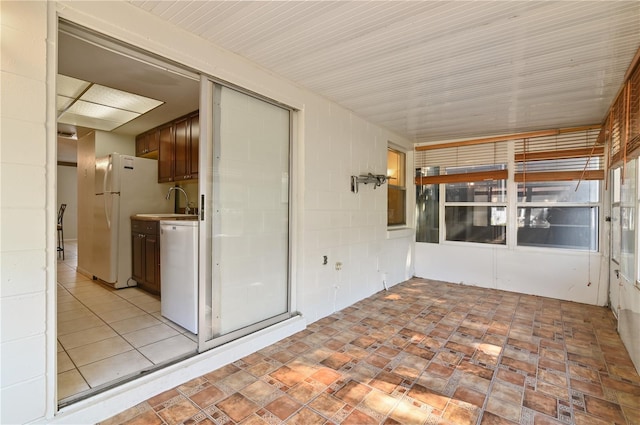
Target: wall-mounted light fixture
{"x":375,"y":179}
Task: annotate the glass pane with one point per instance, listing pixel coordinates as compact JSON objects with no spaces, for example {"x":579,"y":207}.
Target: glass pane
{"x":483,"y":224}
{"x":564,"y":191}
{"x":558,"y":227}
{"x":427,"y":213}
{"x":395,"y":168}
{"x":628,"y":199}
{"x":615,"y":182}
{"x":615,"y":233}
{"x":396,"y":206}
{"x":482,"y":191}
{"x":251,"y":213}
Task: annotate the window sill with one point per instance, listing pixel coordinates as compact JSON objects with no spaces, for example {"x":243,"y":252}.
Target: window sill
{"x":400,"y":232}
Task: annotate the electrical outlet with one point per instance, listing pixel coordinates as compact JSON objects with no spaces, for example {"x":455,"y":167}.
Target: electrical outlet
{"x":338,"y":266}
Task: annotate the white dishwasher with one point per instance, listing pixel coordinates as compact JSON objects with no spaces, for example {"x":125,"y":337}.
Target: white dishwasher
{"x":179,"y":272}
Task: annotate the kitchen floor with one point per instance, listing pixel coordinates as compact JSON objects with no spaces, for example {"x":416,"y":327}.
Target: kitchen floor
{"x":423,"y":353}
{"x":105,"y":335}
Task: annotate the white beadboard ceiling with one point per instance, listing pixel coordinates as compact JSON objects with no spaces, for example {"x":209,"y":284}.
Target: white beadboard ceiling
{"x":434,"y":70}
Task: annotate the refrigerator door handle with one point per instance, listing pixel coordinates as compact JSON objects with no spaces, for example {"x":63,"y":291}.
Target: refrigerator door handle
{"x":107,"y":213}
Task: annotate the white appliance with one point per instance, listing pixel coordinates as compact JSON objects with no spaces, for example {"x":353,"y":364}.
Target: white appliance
{"x":179,"y":272}
{"x":124,"y":185}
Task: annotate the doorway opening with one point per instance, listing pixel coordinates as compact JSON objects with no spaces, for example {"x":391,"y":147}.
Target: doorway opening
{"x":111,"y":328}
{"x":228,"y":169}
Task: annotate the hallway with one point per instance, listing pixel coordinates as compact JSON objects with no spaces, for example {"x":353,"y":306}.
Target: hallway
{"x":423,"y":352}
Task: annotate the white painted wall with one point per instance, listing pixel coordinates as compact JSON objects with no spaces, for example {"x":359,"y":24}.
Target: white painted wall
{"x":332,"y":144}
{"x":107,"y":143}
{"x":67,"y":193}
{"x":28,"y":211}
{"x":548,"y":273}
{"x":86,"y":171}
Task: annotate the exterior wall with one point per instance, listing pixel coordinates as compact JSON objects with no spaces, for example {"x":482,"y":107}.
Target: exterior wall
{"x":332,"y":144}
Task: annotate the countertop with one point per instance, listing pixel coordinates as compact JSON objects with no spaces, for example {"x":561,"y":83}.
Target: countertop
{"x":163,"y":216}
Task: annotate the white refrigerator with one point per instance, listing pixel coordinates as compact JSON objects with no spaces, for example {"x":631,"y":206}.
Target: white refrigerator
{"x":124,"y":185}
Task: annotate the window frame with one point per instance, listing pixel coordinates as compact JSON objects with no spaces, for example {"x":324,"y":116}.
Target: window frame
{"x":549,"y":146}
{"x":444,"y":204}
{"x":392,"y":148}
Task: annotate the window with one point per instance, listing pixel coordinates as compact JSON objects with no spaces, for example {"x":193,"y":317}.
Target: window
{"x":556,"y":215}
{"x":427,"y":207}
{"x":476,"y":211}
{"x":628,"y":200}
{"x":554,"y":198}
{"x":558,"y":183}
{"x":473,"y":180}
{"x":397,"y":190}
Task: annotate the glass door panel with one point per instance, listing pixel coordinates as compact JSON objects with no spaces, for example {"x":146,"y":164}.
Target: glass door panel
{"x":249,"y":284}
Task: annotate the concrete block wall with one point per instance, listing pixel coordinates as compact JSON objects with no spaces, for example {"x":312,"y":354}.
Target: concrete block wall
{"x":25,"y":223}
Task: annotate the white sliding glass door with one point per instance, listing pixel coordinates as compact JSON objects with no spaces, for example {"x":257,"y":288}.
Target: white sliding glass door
{"x":249,"y":211}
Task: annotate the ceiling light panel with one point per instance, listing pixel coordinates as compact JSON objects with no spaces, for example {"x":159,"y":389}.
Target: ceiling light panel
{"x":119,"y":99}
{"x":94,"y":106}
{"x":70,"y":87}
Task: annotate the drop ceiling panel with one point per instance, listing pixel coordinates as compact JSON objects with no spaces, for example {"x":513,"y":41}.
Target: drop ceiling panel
{"x":433,"y":70}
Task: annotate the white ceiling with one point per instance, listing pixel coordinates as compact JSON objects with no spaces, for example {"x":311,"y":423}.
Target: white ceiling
{"x":434,"y":70}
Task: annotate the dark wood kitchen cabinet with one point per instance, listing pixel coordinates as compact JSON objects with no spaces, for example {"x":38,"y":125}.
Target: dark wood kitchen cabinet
{"x":166,"y":153}
{"x":187,"y":138}
{"x":145,"y":254}
{"x":178,"y":144}
{"x":147,"y":144}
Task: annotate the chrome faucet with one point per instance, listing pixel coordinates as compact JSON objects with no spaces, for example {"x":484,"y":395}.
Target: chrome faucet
{"x":187,"y":210}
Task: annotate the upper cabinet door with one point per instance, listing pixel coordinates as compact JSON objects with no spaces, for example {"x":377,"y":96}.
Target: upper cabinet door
{"x":182,"y":151}
{"x":195,"y":145}
{"x":165,"y":154}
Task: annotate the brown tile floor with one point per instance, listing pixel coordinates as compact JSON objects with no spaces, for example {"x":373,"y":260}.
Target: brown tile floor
{"x":423,"y":353}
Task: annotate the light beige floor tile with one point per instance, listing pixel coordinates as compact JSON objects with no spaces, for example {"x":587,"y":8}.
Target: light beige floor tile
{"x":76,"y":314}
{"x":99,"y":350}
{"x":88,"y":292}
{"x":149,"y":335}
{"x":60,"y":347}
{"x":134,"y":292}
{"x":122,"y":314}
{"x":68,"y":277}
{"x":168,"y":349}
{"x":107,"y":305}
{"x":87,"y":336}
{"x":150,"y":306}
{"x":70,"y":383}
{"x":72,"y":326}
{"x":134,"y":324}
{"x":114,"y":367}
{"x":64,"y":362}
{"x":70,"y":305}
{"x":79,"y":284}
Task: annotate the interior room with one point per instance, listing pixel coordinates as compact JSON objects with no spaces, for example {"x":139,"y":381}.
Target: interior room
{"x":320,"y":212}
{"x":111,"y":328}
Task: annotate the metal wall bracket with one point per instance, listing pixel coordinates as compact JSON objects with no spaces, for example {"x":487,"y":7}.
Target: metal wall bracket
{"x":375,"y":179}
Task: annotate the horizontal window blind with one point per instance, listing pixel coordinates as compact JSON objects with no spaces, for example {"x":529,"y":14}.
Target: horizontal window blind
{"x":634,"y":113}
{"x":462,"y":163}
{"x":565,"y":156}
{"x":463,"y":156}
